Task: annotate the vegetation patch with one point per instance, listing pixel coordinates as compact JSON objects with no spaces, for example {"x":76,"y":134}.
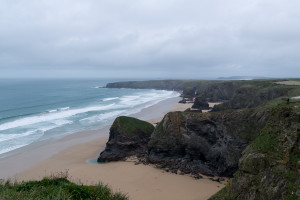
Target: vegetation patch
{"x":130,"y":125}
{"x":56,"y":188}
{"x":267,"y":142}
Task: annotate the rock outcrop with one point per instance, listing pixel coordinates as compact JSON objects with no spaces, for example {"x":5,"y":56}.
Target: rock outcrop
{"x":253,"y":135}
{"x":207,"y":143}
{"x":128,"y":136}
{"x":270,"y":165}
{"x":200,"y":103}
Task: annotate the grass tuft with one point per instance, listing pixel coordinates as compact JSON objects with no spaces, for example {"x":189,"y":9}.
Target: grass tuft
{"x":56,"y":187}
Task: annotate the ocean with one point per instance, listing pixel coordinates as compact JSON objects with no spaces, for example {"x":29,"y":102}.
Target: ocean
{"x":37,"y":110}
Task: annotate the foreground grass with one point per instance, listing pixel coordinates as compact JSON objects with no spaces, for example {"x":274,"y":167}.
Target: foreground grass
{"x":56,"y":188}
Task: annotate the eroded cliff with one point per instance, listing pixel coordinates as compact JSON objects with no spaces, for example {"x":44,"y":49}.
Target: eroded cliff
{"x":207,"y":143}
{"x":128,"y":136}
{"x":270,"y":165}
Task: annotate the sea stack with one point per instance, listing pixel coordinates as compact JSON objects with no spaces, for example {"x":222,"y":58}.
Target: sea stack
{"x":128,"y":136}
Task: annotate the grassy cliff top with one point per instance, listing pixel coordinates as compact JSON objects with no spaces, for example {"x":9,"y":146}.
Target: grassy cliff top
{"x":56,"y":188}
{"x":129,"y":126}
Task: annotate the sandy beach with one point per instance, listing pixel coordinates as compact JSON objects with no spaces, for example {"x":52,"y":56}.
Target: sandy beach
{"x":73,"y":152}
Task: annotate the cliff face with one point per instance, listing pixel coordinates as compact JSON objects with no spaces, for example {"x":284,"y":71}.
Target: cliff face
{"x":188,"y":87}
{"x":220,"y":91}
{"x":128,"y":136}
{"x":255,"y":139}
{"x":159,"y":84}
{"x":270,"y":165}
{"x":235,"y":94}
{"x":209,"y":143}
{"x":250,"y":96}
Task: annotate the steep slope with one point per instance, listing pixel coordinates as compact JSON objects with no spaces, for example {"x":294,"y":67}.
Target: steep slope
{"x":188,"y":87}
{"x":209,"y":143}
{"x":235,"y":94}
{"x":270,"y":165}
{"x":128,"y":136}
{"x":254,"y":94}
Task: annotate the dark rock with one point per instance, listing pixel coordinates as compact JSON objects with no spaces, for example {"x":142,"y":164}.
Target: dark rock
{"x":182,"y":101}
{"x":221,"y":179}
{"x":268,"y":167}
{"x":209,"y":143}
{"x":200,"y":103}
{"x":198,"y":176}
{"x":188,"y":110}
{"x":217,"y":179}
{"x":197,"y":110}
{"x":128,"y":136}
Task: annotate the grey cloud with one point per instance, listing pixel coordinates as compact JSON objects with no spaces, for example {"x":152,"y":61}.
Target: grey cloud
{"x":172,"y":38}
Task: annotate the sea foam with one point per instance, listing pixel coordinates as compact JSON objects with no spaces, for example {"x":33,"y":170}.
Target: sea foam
{"x":59,"y":115}
{"x":51,"y":116}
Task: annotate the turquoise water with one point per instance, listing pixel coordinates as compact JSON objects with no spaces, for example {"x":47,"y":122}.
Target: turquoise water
{"x":35,"y":110}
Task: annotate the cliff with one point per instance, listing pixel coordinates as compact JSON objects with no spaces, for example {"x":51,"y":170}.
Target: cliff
{"x":234,"y":94}
{"x":207,"y":143}
{"x":253,"y":136}
{"x":187,"y":142}
{"x":270,"y":165}
{"x":254,"y":94}
{"x":188,"y":87}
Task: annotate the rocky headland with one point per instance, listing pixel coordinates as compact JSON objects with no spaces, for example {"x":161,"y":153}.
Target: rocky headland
{"x":206,"y":143}
{"x":270,"y":166}
{"x":253,"y":137}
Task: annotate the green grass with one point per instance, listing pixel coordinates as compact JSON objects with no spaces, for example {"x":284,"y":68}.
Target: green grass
{"x":295,"y":79}
{"x":222,"y":194}
{"x":275,"y":102}
{"x":130,"y":125}
{"x":267,"y":143}
{"x":160,"y":129}
{"x":56,"y":188}
{"x":294,"y":159}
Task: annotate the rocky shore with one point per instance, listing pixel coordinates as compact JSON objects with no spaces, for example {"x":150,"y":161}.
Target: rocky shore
{"x":231,"y":141}
{"x":188,"y":142}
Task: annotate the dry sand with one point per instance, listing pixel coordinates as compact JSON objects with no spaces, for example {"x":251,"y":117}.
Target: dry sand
{"x":174,"y":107}
{"x":138,"y":181}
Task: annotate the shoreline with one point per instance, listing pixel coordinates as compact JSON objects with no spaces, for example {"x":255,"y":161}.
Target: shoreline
{"x":28,"y":155}
{"x":72,"y":153}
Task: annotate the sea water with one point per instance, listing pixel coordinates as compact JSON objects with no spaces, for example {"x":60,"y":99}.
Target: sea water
{"x":36,"y":110}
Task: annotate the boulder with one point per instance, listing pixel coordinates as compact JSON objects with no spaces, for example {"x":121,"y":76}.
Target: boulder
{"x":182,"y":101}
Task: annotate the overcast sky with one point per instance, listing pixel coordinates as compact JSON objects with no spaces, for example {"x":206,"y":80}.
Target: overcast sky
{"x":149,"y":39}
